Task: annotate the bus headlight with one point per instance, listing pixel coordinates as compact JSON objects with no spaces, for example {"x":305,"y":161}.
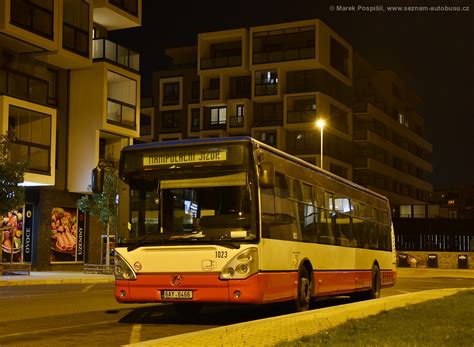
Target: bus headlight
{"x":241,"y":266}
{"x":122,"y":270}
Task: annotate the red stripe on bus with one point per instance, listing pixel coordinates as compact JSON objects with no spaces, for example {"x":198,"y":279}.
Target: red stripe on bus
{"x":264,"y":287}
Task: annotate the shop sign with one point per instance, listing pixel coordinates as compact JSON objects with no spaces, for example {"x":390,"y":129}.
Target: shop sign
{"x":28,"y":233}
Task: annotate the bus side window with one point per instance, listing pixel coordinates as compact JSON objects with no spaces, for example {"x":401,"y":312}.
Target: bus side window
{"x":279,"y":223}
{"x":325,"y":232}
{"x":308,"y":227}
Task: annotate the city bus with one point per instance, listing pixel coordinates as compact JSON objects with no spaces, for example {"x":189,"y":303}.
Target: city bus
{"x":233,"y":220}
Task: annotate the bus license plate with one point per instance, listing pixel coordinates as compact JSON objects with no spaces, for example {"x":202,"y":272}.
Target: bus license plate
{"x":176,"y":294}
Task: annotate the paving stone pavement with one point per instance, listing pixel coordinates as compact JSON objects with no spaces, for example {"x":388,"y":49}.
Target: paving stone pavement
{"x":270,"y":331}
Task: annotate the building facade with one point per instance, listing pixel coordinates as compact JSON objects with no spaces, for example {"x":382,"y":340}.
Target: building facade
{"x":272,"y":82}
{"x":72,"y":98}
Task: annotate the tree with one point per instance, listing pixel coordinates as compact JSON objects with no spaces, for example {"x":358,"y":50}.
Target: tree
{"x":12,"y":172}
{"x":103,"y":205}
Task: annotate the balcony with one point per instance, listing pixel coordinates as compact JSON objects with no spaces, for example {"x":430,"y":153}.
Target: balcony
{"x":284,"y":44}
{"x":118,"y":14}
{"x":221,"y":62}
{"x":34,"y":127}
{"x":105,"y":49}
{"x":211,"y":94}
{"x":28,"y":26}
{"x":294,"y":116}
{"x":236,"y":121}
{"x":22,"y":86}
{"x":268,"y":114}
{"x":266,"y":89}
{"x":283,"y":55}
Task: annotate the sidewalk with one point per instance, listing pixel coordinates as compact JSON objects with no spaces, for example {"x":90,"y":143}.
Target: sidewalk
{"x":430,"y":272}
{"x":57,"y":277}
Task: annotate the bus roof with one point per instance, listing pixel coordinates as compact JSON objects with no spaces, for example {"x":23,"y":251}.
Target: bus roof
{"x":259,"y":144}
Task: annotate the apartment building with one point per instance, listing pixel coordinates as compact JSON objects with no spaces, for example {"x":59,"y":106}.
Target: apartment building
{"x":72,"y":98}
{"x":272,"y":82}
{"x":391,"y":155}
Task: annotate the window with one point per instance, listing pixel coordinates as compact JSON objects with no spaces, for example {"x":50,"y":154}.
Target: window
{"x":36,"y":16}
{"x":145,"y":124}
{"x":121,"y":100}
{"x":338,"y":170}
{"x":218,"y":115}
{"x":76,"y":26}
{"x":339,"y":57}
{"x":284,"y":44}
{"x":52,"y":87}
{"x":268,"y":137}
{"x":170,"y":119}
{"x":238,"y":119}
{"x":32,"y":138}
{"x":213,"y":92}
{"x":170,"y":93}
{"x":338,"y":118}
{"x":266,"y":83}
{"x":301,"y":109}
{"x":195,"y":119}
{"x":278,"y":215}
{"x":130,"y":6}
{"x":195,"y":85}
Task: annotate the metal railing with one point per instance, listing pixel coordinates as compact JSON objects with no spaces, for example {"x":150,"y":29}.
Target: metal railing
{"x":221,"y":62}
{"x":111,"y":51}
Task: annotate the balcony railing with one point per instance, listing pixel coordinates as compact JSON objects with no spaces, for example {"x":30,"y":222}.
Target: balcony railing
{"x":130,"y":6}
{"x":236,"y":121}
{"x":21,"y":86}
{"x":36,"y":155}
{"x":283,"y":55}
{"x":211,"y":94}
{"x":35,"y":18}
{"x":120,"y":114}
{"x":266,"y":89}
{"x":300,"y":116}
{"x":220,"y":62}
{"x":108,"y":50}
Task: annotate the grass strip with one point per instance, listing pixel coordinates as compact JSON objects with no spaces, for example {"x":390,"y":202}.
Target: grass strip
{"x":443,"y":322}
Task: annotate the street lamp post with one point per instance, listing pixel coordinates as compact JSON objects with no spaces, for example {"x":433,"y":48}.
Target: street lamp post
{"x":320,"y":123}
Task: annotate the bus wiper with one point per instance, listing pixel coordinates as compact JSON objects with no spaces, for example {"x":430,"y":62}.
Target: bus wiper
{"x":139,"y":243}
{"x":215,"y":242}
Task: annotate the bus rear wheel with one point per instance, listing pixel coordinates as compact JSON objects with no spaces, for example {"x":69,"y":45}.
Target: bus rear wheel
{"x":303,"y":298}
{"x":374,"y":291}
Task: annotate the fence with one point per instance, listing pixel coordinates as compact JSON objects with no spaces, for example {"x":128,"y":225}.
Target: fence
{"x":445,"y":235}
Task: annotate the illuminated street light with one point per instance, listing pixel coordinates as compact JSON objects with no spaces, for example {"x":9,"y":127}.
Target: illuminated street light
{"x":320,"y":123}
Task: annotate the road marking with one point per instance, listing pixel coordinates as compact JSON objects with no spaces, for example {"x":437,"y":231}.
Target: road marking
{"x":135,"y":336}
{"x":59,"y":328}
{"x":401,"y":291}
{"x":86,"y":289}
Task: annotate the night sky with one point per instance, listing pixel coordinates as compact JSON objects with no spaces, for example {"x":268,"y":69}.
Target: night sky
{"x":433,"y":51}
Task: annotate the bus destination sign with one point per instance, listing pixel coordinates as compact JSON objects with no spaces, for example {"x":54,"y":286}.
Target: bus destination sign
{"x":184,"y":157}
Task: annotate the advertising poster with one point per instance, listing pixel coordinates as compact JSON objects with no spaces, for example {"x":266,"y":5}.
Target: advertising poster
{"x":65,"y":235}
{"x":12,"y":244}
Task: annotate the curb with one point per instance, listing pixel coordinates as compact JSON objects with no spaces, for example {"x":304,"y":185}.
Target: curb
{"x":270,"y":331}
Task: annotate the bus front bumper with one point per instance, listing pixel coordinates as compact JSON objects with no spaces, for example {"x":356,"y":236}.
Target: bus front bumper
{"x":255,"y":289}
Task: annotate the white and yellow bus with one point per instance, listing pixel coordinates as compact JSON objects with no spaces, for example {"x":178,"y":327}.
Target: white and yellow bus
{"x":232,"y":220}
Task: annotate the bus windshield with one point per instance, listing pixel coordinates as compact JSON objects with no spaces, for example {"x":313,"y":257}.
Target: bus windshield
{"x":196,"y":209}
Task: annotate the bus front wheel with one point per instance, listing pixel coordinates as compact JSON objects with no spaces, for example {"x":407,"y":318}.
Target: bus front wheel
{"x":303,"y":298}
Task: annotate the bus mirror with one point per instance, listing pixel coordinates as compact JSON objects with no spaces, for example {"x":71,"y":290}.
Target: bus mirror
{"x":267,"y":174}
{"x":97,"y":180}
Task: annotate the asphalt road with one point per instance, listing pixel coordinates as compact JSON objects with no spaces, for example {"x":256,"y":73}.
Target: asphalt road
{"x":87,"y":315}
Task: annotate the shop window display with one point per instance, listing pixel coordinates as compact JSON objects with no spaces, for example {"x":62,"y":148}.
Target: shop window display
{"x":12,"y":241}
